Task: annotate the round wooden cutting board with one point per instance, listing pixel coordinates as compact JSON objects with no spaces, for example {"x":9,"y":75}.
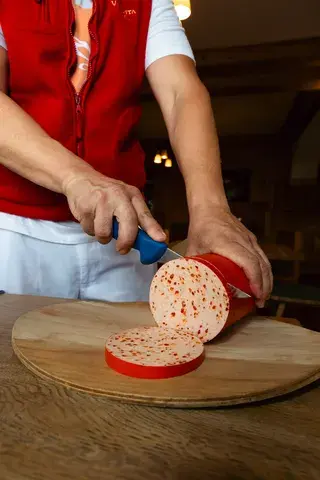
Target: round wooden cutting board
{"x":255,"y":360}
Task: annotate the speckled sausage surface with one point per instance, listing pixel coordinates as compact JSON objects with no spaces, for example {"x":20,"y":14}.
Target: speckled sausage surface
{"x":188,"y":296}
{"x":153,"y":352}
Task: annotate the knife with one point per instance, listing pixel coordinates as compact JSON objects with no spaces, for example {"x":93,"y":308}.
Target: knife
{"x":158,"y":252}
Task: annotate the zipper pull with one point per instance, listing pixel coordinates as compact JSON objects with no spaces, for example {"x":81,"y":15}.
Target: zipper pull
{"x":79,"y":132}
{"x":78,"y":103}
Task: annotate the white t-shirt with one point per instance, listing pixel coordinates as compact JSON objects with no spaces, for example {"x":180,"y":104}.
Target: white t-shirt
{"x":166,"y":37}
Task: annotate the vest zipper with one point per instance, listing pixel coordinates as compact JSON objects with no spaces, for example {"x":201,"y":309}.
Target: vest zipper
{"x":79,"y":124}
{"x":80,"y":95}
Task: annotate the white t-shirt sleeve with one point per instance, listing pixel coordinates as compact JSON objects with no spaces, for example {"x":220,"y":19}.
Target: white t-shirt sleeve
{"x":166,"y":35}
{"x":2,"y":40}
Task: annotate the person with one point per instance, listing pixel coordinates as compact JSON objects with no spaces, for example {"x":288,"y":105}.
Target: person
{"x":71,"y":75}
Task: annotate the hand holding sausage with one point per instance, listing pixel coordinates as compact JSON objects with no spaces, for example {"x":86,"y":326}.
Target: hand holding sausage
{"x":215,"y":230}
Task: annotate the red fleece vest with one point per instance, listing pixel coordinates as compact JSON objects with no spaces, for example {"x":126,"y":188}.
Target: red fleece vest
{"x":97,"y":125}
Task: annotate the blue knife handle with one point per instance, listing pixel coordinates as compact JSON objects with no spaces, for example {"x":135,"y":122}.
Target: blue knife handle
{"x":150,"y":250}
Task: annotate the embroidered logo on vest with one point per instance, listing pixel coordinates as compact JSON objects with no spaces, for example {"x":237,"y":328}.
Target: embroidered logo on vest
{"x":129,"y":14}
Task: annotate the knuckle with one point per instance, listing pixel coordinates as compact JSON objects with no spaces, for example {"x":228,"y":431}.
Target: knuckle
{"x":116,"y":194}
{"x":134,"y":191}
{"x":253,"y":237}
{"x":83,"y":207}
{"x":123,"y":207}
{"x":119,"y":189}
{"x":102,"y":196}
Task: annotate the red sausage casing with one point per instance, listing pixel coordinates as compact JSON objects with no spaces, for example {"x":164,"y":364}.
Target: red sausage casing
{"x":153,"y":352}
{"x":192,"y":295}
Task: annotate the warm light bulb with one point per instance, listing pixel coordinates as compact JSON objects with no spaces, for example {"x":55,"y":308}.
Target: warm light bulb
{"x":183,"y":9}
{"x":164,"y":154}
{"x":168,"y":163}
{"x":157,"y":158}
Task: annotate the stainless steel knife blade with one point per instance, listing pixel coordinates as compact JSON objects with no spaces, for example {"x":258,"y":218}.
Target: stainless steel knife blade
{"x":169,"y":255}
{"x":237,"y":293}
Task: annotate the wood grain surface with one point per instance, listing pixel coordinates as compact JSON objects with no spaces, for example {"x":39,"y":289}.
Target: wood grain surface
{"x":51,"y":433}
{"x":256,"y":359}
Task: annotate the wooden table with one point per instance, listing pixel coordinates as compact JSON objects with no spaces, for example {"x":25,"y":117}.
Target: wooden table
{"x":51,"y":433}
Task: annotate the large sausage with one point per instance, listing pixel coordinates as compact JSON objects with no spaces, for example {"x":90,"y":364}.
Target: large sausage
{"x":153,"y":352}
{"x":187,"y":295}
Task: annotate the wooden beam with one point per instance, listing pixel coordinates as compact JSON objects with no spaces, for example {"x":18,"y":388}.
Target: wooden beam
{"x":304,"y":108}
{"x":277,"y":67}
{"x":249,"y":84}
{"x":304,"y":49}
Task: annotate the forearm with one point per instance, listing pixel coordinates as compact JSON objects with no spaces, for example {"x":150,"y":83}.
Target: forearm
{"x":27,"y":150}
{"x":194,"y":140}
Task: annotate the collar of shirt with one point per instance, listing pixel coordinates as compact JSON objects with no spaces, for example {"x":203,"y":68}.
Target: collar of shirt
{"x":83,"y":3}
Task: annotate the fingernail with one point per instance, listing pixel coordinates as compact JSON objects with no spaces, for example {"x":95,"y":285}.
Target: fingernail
{"x":104,"y":240}
{"x":159,"y":235}
{"x":123,"y":251}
